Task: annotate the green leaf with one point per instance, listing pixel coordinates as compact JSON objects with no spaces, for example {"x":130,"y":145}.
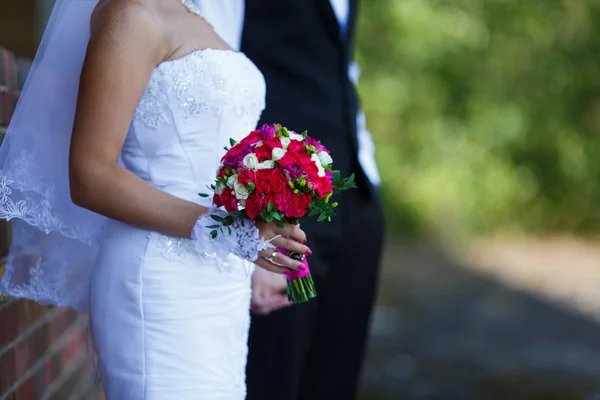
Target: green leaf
{"x":270,"y":207}
{"x":232,"y":142}
{"x":251,"y":186}
{"x":322,"y":218}
{"x":217,"y":218}
{"x":276,"y":216}
{"x":229,"y":229}
{"x":213,"y":226}
{"x":203,"y":195}
{"x":214,"y":234}
{"x":279,"y":224}
{"x":304,"y":134}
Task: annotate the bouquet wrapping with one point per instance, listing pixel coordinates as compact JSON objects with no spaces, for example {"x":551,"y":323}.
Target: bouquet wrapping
{"x":277,"y":175}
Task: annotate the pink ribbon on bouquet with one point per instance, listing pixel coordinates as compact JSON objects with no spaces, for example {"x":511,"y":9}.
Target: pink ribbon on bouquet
{"x":300,"y":273}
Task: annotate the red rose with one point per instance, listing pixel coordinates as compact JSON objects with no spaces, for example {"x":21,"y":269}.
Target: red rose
{"x":253,"y":137}
{"x":263,"y":153}
{"x":278,"y":182}
{"x":284,"y":200}
{"x":287,"y":159}
{"x":246,"y":176}
{"x":262,"y":180}
{"x":270,"y":181}
{"x":300,"y":206}
{"x":217,"y":200}
{"x":308,"y":165}
{"x":273,"y":143}
{"x":229,"y":200}
{"x":296,"y":147}
{"x":294,"y":205}
{"x":255,"y":204}
{"x":321,"y":185}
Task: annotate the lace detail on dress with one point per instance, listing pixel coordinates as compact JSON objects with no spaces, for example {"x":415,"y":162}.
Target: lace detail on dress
{"x":153,"y":107}
{"x":202,"y":83}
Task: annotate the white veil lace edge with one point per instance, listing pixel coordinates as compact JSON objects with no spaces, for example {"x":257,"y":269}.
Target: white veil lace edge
{"x":54,"y":242}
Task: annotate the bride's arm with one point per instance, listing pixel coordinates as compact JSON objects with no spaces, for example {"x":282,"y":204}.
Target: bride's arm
{"x":125,"y":46}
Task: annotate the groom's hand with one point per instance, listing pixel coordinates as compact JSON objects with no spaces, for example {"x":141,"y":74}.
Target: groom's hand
{"x":268,"y":292}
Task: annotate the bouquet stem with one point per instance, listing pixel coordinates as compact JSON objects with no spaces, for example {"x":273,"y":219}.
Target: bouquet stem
{"x":301,"y":290}
{"x":300,"y":284}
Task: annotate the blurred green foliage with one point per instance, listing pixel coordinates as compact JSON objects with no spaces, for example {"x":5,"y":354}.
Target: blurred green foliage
{"x":486,"y":114}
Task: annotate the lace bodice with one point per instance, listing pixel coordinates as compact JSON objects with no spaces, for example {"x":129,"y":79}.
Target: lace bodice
{"x":192,"y":106}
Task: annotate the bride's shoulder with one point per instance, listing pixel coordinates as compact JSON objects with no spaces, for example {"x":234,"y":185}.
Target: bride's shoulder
{"x":121,"y":11}
{"x":128,"y":22}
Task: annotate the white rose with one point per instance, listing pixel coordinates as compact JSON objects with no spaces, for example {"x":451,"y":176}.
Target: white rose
{"x":325,"y":158}
{"x":251,"y":161}
{"x":317,"y":161}
{"x":278,"y":154}
{"x":232,"y":180}
{"x":295,"y":136}
{"x":219,"y":188}
{"x":285,"y":142}
{"x":266,"y":164}
{"x":241,"y":192}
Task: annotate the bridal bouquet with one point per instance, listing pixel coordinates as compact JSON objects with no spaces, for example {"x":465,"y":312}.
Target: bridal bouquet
{"x":277,"y":175}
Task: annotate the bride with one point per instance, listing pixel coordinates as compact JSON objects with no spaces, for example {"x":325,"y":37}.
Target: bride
{"x":121,"y":124}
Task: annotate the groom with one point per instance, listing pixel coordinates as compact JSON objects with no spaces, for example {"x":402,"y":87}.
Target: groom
{"x":304,"y":49}
{"x":314,"y":351}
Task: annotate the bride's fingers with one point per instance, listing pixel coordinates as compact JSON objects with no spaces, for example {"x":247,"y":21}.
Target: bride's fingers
{"x":291,"y":245}
{"x":293,"y":232}
{"x":269,"y":266}
{"x":279,"y":259}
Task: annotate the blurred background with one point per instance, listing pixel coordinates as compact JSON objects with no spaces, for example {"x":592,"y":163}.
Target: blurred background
{"x":486,"y":118}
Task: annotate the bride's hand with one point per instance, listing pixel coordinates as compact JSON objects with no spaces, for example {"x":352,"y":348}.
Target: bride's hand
{"x":290,"y":237}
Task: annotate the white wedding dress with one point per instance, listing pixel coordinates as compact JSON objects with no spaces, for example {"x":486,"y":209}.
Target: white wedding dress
{"x":168,"y":323}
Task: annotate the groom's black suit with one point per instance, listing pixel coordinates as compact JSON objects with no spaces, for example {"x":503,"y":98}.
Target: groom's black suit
{"x":313,"y":351}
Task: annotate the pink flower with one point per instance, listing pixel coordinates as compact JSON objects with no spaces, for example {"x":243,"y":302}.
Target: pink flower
{"x":267,"y":132}
{"x":317,"y":145}
{"x":234,"y":158}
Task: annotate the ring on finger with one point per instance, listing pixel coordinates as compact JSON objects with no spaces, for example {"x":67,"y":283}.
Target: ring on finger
{"x":272,"y":256}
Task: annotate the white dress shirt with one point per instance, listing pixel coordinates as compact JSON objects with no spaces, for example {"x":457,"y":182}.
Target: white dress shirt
{"x":227,"y":18}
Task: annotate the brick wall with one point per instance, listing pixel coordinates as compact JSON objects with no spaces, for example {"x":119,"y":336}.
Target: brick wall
{"x":43,"y":352}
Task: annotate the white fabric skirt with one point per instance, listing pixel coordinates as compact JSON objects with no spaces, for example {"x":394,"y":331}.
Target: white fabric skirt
{"x":166,"y":322}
